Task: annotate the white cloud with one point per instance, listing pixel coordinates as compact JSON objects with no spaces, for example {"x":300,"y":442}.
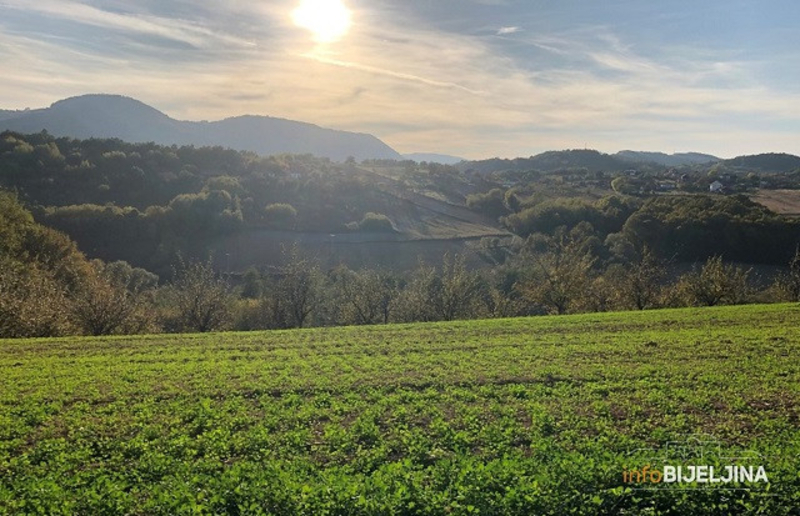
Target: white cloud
{"x":504,"y":31}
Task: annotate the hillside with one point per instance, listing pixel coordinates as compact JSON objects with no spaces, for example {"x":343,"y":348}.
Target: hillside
{"x":513,"y":417}
{"x":444,"y":159}
{"x":678,"y":159}
{"x":112,"y":116}
{"x":551,"y":161}
{"x":143,"y":203}
{"x":770,"y":162}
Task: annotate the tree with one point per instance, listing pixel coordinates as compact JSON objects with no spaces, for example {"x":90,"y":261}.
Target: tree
{"x":415,"y":302}
{"x":639,"y":284}
{"x":296,"y":292}
{"x":101,"y":308}
{"x":491,"y":203}
{"x":376,"y":222}
{"x":32,"y":302}
{"x":251,"y":284}
{"x":202,"y":299}
{"x":459,"y":290}
{"x":432,"y":296}
{"x":715,"y":283}
{"x":114,"y":299}
{"x":788,"y":283}
{"x":558,"y":278}
{"x":280,"y":215}
{"x":366,"y":296}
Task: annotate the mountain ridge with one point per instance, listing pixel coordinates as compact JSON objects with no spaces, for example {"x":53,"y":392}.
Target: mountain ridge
{"x":126,"y":118}
{"x":595,"y":161}
{"x":676,"y":159}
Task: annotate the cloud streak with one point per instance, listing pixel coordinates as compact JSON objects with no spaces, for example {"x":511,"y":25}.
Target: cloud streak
{"x":389,"y":73}
{"x":478,"y":93}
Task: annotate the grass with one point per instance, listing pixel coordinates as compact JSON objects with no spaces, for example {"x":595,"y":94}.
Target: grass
{"x":517,"y":416}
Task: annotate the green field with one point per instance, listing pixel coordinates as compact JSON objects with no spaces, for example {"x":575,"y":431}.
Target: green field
{"x":519,"y":416}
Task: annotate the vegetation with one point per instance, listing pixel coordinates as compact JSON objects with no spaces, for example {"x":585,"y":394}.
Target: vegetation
{"x":511,"y":416}
{"x":514,"y":417}
{"x":377,"y":222}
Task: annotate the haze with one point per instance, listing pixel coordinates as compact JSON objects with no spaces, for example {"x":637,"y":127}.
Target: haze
{"x":473,"y":78}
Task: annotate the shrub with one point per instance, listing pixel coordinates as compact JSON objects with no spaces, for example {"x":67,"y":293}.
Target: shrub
{"x":376,"y":222}
{"x":280,"y":215}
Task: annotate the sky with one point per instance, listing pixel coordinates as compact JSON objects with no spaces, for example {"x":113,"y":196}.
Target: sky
{"x":471,"y":78}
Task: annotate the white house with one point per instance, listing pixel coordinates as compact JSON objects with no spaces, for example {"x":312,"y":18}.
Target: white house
{"x":716,"y":187}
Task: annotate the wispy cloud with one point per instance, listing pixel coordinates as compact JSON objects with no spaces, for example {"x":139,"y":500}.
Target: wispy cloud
{"x":389,"y":73}
{"x":502,"y":91}
{"x":169,"y":28}
{"x":504,"y":31}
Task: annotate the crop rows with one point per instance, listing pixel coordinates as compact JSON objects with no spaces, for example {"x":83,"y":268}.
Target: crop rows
{"x":518,"y":416}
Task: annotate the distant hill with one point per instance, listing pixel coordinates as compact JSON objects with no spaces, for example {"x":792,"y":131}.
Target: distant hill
{"x":551,"y":161}
{"x":113,"y":116}
{"x":5,"y":114}
{"x":667,"y":160}
{"x":443,"y":159}
{"x":770,"y":162}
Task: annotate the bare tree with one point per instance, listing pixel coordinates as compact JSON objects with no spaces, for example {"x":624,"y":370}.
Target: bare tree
{"x":115,"y":298}
{"x":788,"y":283}
{"x":102,"y":308}
{"x":639,"y":284}
{"x":366,"y":296}
{"x":296,"y":294}
{"x":715,"y":283}
{"x":201,"y":297}
{"x":559,"y":278}
{"x":459,"y":289}
{"x":433,"y":296}
{"x":415,"y":301}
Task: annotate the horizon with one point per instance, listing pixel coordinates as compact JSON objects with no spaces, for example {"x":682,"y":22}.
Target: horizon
{"x":718,"y":78}
{"x":404,"y":154}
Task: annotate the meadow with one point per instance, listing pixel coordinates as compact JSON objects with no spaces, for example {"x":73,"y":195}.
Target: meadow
{"x":512,"y":416}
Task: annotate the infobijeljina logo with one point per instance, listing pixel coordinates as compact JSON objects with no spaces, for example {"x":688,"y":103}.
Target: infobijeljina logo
{"x":697,"y":462}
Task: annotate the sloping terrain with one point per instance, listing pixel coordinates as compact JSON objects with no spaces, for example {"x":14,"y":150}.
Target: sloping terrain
{"x":512,"y":417}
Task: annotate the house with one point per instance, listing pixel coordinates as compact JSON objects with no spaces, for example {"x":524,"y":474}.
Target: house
{"x":716,"y":187}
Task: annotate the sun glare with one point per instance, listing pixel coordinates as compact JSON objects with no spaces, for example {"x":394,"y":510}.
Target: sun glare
{"x":328,"y":20}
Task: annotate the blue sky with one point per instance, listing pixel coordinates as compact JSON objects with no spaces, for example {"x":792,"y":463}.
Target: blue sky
{"x":474,"y":78}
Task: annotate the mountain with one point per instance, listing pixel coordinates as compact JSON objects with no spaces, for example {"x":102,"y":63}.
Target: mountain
{"x":442,"y":159}
{"x":770,"y":162}
{"x":667,"y":160}
{"x":114,"y":116}
{"x":6,"y":114}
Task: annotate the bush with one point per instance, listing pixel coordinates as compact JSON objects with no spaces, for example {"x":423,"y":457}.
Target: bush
{"x":280,"y":215}
{"x":491,"y":203}
{"x":376,"y":222}
{"x":32,"y":303}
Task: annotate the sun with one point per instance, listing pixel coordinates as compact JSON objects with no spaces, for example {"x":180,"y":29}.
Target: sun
{"x":328,"y":20}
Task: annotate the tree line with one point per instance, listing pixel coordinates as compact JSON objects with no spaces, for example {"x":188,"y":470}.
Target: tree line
{"x":49,"y":288}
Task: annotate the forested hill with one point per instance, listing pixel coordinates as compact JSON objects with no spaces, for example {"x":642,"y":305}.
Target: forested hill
{"x":594,"y":161}
{"x":144,"y":203}
{"x":113,"y":116}
{"x":668,"y":160}
{"x":771,"y":162}
{"x":551,"y":161}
